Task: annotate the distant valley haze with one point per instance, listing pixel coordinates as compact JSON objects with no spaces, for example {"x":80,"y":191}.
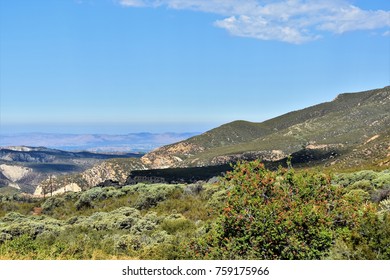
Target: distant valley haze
{"x":104,"y":143}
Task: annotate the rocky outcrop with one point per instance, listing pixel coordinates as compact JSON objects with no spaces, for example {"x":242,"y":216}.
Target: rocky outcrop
{"x":171,"y":155}
{"x":105,"y":171}
{"x":115,"y":170}
{"x":72,"y":187}
{"x":14,"y":173}
{"x":19,"y":177}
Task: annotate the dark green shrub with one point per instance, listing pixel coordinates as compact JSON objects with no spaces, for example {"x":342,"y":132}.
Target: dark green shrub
{"x":275,"y":215}
{"x":151,"y":195}
{"x":370,"y":240}
{"x":357,"y":196}
{"x":364,"y":185}
{"x":176,"y":223}
{"x":22,"y":245}
{"x":86,"y":198}
{"x":51,"y":203}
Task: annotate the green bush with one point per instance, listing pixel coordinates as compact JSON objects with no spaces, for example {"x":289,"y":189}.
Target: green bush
{"x":151,"y":195}
{"x":176,"y":223}
{"x":363,"y":185}
{"x":51,"y":203}
{"x":370,"y":240}
{"x":86,"y":198}
{"x":275,"y":215}
{"x":15,"y":224}
{"x":357,"y":196}
{"x":22,"y":245}
{"x":147,"y":224}
{"x":122,"y":218}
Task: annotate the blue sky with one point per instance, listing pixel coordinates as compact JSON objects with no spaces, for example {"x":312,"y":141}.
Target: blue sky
{"x":121,"y":66}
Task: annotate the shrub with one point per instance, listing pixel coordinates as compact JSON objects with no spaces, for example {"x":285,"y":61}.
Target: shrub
{"x":175,"y":223}
{"x":131,"y":189}
{"x":275,"y":215}
{"x":193,"y":189}
{"x":86,"y":198}
{"x":146,"y":224}
{"x":368,"y":240}
{"x":122,"y":218}
{"x":382,"y":179}
{"x":357,"y":196}
{"x":384,"y":206}
{"x":71,"y":195}
{"x":51,"y":203}
{"x":151,"y":195}
{"x":22,"y":245}
{"x":363,"y":185}
{"x":217,"y":200}
{"x":15,"y":224}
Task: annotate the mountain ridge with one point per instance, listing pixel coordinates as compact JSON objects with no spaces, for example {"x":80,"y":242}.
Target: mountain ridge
{"x":327,"y":123}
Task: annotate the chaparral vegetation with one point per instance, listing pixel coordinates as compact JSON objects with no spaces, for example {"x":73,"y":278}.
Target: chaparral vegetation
{"x":250,"y":213}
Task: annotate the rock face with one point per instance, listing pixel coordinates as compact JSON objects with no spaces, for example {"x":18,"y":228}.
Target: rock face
{"x":114,"y":170}
{"x":72,"y":187}
{"x":171,"y":155}
{"x":14,"y":173}
{"x":18,"y":177}
{"x":105,"y":171}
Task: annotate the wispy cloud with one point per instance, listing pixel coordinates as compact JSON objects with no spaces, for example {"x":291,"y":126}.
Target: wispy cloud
{"x":292,"y":21}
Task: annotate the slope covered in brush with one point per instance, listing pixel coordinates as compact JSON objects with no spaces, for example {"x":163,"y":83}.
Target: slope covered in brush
{"x":344,"y":124}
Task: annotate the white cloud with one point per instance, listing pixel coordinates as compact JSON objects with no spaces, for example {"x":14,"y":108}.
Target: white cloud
{"x":132,"y":3}
{"x":292,"y":21}
{"x":262,"y":29}
{"x":139,"y":3}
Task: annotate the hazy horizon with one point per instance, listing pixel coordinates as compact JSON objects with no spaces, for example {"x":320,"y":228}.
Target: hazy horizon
{"x":126,"y":66}
{"x":109,"y":129}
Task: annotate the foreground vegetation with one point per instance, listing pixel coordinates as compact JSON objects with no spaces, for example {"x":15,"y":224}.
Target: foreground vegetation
{"x":251,"y":213}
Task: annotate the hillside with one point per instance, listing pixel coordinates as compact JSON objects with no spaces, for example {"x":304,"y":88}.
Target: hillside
{"x":344,"y":125}
{"x":350,"y":132}
{"x":24,"y":168}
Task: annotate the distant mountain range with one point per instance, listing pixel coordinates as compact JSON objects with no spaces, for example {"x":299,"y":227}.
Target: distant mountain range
{"x":132,"y":142}
{"x":352,"y":131}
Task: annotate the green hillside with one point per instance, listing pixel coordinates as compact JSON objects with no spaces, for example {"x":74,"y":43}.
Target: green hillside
{"x":344,"y":124}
